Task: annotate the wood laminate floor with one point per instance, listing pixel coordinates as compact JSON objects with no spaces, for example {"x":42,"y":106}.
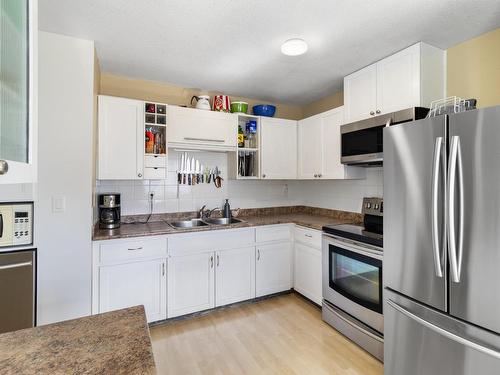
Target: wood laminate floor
{"x":280,"y":335}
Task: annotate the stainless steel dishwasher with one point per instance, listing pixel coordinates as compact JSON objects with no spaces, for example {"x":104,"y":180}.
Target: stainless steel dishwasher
{"x":17,"y":290}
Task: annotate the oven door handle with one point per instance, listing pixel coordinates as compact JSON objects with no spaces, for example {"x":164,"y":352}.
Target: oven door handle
{"x":354,"y":248}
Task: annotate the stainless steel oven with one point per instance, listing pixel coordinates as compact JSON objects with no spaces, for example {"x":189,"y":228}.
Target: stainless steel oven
{"x":362,"y":141}
{"x":352,"y":279}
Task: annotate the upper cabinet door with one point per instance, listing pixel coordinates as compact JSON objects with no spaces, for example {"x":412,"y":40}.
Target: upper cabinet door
{"x":278,"y":148}
{"x":18,"y":91}
{"x":121,"y":138}
{"x":398,"y":80}
{"x":310,"y":147}
{"x":207,"y":129}
{"x":360,"y":94}
{"x":331,"y":166}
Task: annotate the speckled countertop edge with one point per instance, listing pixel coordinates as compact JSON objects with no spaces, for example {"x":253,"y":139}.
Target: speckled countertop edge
{"x":310,"y":217}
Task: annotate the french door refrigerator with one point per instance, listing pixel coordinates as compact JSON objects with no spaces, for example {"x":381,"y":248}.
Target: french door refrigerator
{"x":442,"y":245}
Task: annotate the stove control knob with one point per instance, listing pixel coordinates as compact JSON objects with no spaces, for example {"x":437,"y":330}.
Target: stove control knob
{"x":368,"y":205}
{"x":376,"y":206}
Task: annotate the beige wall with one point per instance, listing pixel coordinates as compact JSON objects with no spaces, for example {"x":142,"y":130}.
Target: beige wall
{"x":332,"y":101}
{"x":473,"y":69}
{"x":171,"y":94}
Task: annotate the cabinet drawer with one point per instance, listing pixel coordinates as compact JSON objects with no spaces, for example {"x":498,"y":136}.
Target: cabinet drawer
{"x":152,"y":161}
{"x":154,"y":173}
{"x":273,"y":233}
{"x":190,"y":243}
{"x":308,"y":237}
{"x":119,"y":251}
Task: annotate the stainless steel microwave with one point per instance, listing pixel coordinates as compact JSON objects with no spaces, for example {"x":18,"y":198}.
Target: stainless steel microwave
{"x":361,"y":141}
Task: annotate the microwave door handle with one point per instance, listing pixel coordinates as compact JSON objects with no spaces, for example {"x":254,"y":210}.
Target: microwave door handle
{"x":455,"y":164}
{"x":435,"y":206}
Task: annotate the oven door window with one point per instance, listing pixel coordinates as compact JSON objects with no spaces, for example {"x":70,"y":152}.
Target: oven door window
{"x":364,"y":141}
{"x":356,"y":276}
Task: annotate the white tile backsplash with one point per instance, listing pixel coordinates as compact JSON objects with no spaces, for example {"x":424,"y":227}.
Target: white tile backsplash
{"x":168,"y":197}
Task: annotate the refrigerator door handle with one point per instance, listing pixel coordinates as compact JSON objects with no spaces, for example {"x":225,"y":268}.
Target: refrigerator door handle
{"x":443,"y":332}
{"x":455,"y":164}
{"x":435,"y":208}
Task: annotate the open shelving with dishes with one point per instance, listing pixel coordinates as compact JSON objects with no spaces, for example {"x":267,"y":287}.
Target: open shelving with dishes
{"x":244,"y":162}
{"x":155,"y":140}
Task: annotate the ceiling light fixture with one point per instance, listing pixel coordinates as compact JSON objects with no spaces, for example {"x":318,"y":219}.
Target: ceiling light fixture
{"x":294,"y":47}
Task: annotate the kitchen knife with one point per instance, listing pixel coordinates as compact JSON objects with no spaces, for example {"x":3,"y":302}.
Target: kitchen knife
{"x":179,"y":171}
{"x":197,"y":171}
{"x":188,"y":171}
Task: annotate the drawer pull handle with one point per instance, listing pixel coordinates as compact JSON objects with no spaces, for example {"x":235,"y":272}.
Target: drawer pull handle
{"x":135,"y":248}
{"x":309,"y":235}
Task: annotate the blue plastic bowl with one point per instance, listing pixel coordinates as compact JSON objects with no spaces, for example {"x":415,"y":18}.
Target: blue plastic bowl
{"x":267,"y":110}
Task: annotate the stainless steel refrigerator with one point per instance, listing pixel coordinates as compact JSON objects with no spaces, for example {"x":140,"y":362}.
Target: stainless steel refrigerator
{"x":442,"y":245}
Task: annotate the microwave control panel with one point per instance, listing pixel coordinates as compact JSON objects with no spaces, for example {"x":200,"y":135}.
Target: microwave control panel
{"x":23,"y":225}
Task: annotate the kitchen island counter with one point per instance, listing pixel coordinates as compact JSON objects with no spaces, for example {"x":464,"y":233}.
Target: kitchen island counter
{"x":117,"y":342}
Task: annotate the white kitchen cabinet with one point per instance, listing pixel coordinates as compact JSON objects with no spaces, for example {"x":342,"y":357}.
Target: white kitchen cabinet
{"x":273,"y":268}
{"x":234,"y":275}
{"x":278,"y":148}
{"x":307,"y":263}
{"x":319,"y":148}
{"x":121,"y":139}
{"x":412,"y":77}
{"x":132,"y":284}
{"x":360,"y":94}
{"x":310,"y":147}
{"x":201,"y":129}
{"x":191,"y":283}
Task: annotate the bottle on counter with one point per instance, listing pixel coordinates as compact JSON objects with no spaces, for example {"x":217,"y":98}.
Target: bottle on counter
{"x":227,"y":209}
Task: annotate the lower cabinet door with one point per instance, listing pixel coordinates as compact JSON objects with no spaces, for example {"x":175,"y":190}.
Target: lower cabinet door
{"x":132,"y":284}
{"x":273,"y":268}
{"x":234,"y":275}
{"x":307,"y":275}
{"x":190,"y":284}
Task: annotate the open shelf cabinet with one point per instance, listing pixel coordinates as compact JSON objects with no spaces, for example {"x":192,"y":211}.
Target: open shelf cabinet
{"x":244,"y":163}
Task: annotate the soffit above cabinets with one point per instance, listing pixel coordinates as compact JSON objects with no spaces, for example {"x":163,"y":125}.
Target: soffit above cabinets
{"x":233,"y":46}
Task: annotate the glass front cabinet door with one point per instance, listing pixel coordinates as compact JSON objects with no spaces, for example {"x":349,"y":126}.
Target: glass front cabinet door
{"x":18,"y":37}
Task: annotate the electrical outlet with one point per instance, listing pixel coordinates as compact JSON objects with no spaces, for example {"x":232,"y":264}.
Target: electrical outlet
{"x":285,"y":190}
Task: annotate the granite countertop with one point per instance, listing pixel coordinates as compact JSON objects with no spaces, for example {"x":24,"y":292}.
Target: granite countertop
{"x":117,"y":342}
{"x":314,"y":218}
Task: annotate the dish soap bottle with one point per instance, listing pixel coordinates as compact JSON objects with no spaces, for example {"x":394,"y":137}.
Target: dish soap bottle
{"x":227,"y":209}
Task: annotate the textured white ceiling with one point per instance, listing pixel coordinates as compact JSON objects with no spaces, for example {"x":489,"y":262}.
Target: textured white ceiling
{"x":233,"y":46}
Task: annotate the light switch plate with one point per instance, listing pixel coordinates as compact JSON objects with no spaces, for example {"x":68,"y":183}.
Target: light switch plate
{"x":58,"y":204}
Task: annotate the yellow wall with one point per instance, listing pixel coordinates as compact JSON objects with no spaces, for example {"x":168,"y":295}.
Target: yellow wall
{"x":473,"y":69}
{"x":332,"y":101}
{"x":171,"y":94}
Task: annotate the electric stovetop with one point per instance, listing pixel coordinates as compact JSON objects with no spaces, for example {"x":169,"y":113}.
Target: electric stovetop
{"x":370,"y":236}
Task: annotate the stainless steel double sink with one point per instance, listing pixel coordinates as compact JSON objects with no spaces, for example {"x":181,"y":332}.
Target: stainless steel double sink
{"x":193,"y":223}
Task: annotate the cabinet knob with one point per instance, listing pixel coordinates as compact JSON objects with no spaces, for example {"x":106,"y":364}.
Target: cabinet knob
{"x":4,"y":167}
{"x":263,"y":176}
{"x":320,"y":175}
{"x":377,"y":111}
{"x":372,"y":113}
{"x":315,"y":175}
{"x":139,"y":174}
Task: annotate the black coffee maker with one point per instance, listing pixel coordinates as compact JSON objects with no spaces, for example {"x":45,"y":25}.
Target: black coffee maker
{"x":109,"y":210}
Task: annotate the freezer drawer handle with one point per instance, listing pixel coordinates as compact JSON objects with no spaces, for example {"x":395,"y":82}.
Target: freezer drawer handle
{"x":444,"y":332}
{"x":455,"y":164}
{"x":15,"y":265}
{"x":435,"y":217}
